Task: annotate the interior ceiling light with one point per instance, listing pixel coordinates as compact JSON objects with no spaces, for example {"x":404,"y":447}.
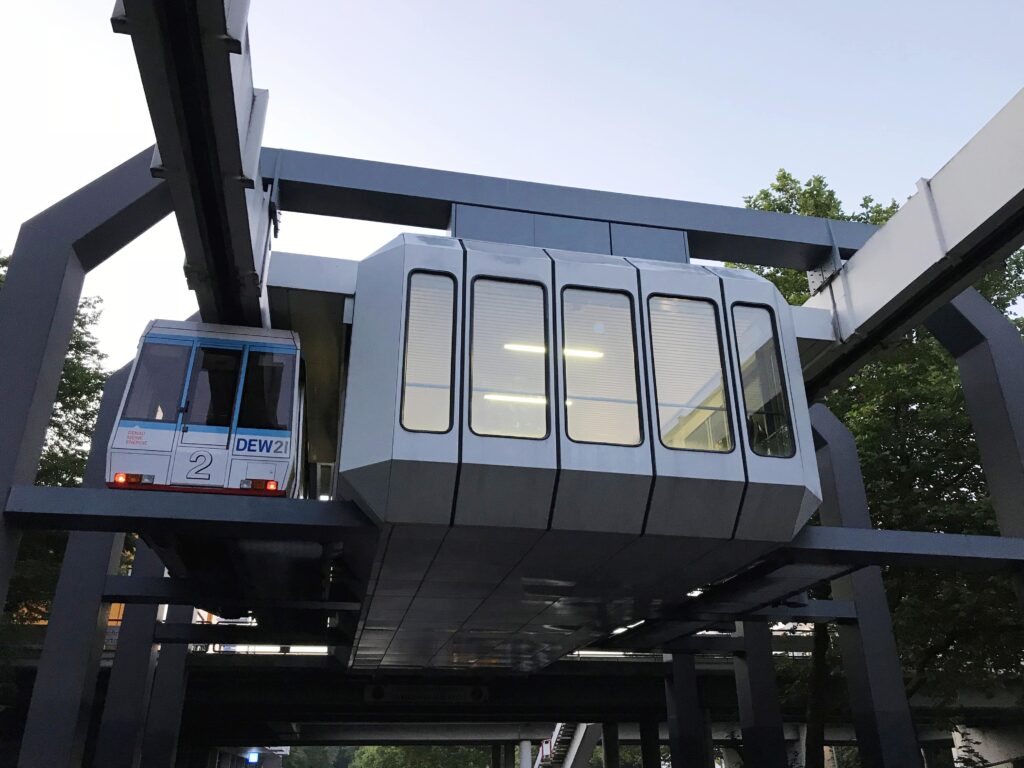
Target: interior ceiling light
{"x":524,"y":399}
{"x":590,"y":354}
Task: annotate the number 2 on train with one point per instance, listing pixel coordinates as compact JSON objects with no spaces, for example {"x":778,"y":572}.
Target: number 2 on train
{"x":201,"y":461}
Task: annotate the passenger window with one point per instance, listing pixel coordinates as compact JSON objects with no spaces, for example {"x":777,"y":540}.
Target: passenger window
{"x":155,"y":393}
{"x":508,"y":360}
{"x":212,"y":388}
{"x":689,"y":381}
{"x":267,"y":391}
{"x":599,"y":358}
{"x":427,"y":377}
{"x":764,"y":394}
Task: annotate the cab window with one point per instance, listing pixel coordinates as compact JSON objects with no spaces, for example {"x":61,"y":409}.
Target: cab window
{"x":267,"y":391}
{"x":159,"y":378}
{"x":769,"y":426}
{"x":212,"y":388}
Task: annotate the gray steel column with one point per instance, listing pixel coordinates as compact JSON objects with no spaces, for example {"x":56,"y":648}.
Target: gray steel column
{"x":878,"y":700}
{"x":53,"y":252}
{"x":990,"y":356}
{"x":163,"y":720}
{"x":509,"y":755}
{"x":65,"y":685}
{"x":650,"y":744}
{"x":688,"y":733}
{"x":610,"y":744}
{"x":496,"y":756}
{"x":758,"y":697}
{"x":119,"y":743}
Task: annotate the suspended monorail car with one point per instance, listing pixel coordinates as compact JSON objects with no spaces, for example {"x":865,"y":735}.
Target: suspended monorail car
{"x":210,"y":408}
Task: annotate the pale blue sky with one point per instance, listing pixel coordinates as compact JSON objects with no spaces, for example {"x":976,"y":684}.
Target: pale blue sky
{"x":694,"y":100}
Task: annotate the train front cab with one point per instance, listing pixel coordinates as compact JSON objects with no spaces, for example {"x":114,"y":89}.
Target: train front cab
{"x":210,"y":408}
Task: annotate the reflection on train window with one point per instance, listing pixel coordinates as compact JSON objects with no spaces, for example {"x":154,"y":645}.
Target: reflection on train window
{"x":508,"y":360}
{"x":600,"y":367}
{"x":267,"y":391}
{"x":427,"y":378}
{"x":212,"y":386}
{"x":156,"y":388}
{"x":688,"y":378}
{"x":764,"y":395}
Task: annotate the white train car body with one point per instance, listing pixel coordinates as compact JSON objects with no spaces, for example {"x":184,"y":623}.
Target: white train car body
{"x":210,"y":408}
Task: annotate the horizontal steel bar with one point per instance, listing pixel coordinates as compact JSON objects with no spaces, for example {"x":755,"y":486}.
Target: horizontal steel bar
{"x":423,"y":197}
{"x":153,"y":591}
{"x":920,"y":549}
{"x":159,"y":512}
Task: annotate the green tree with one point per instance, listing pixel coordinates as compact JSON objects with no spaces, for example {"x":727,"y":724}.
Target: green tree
{"x":320,"y":757}
{"x":421,"y":757}
{"x":62,"y":462}
{"x":922,"y":471}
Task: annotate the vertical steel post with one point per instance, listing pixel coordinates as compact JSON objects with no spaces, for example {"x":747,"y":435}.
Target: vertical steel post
{"x":650,"y":744}
{"x":65,"y":685}
{"x":881,"y":713}
{"x":509,"y":755}
{"x":689,"y":735}
{"x":758,"y":697}
{"x":610,"y":744}
{"x":525,"y":754}
{"x":119,"y":743}
{"x":496,"y":756}
{"x":163,"y":720}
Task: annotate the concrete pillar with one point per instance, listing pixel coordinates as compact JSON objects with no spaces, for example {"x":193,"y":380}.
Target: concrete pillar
{"x":525,"y":754}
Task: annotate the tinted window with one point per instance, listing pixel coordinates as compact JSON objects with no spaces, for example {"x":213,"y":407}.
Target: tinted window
{"x":267,"y":391}
{"x":688,"y":379}
{"x":155,"y":393}
{"x":764,"y":395}
{"x":212,"y":388}
{"x":600,"y":367}
{"x":508,"y":360}
{"x":427,"y":378}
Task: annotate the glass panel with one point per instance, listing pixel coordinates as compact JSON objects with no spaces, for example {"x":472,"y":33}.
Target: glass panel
{"x":159,"y":378}
{"x":600,"y":368}
{"x":427,"y":379}
{"x":212,"y":388}
{"x":689,"y":383}
{"x":764,"y":395}
{"x":267,"y":391}
{"x":508,"y":366}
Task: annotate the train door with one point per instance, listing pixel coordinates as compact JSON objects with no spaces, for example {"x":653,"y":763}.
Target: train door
{"x":201,"y":456}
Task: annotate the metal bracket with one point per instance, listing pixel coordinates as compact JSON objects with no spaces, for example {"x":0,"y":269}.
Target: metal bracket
{"x":823,"y":274}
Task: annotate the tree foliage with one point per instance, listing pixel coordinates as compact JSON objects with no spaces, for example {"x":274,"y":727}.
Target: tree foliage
{"x":922,"y":471}
{"x":421,"y":757}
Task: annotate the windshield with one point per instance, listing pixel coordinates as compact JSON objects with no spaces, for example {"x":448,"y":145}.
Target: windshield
{"x":156,"y":388}
{"x":267,"y":391}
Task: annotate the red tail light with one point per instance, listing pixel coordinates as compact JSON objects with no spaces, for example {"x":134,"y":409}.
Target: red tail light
{"x":120,"y":478}
{"x":271,"y":485}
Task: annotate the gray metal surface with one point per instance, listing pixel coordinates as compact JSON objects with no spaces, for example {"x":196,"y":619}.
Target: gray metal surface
{"x":420,"y":197}
{"x":196,"y":72}
{"x":62,"y":698}
{"x":758,"y":697}
{"x":959,"y":224}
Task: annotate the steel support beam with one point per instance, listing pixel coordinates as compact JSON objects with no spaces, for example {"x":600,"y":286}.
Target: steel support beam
{"x":53,"y":252}
{"x":650,"y":744}
{"x":964,"y":219}
{"x":119,"y":742}
{"x":163,"y":719}
{"x":878,"y":700}
{"x":422,"y":197}
{"x":758,"y":697}
{"x":610,"y":744}
{"x":200,"y":514}
{"x":208,"y":119}
{"x":65,"y":685}
{"x":689,"y":732}
{"x":990,"y":356}
{"x":138,"y":590}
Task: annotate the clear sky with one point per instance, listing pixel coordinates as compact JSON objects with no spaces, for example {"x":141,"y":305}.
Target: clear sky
{"x":693,"y":100}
